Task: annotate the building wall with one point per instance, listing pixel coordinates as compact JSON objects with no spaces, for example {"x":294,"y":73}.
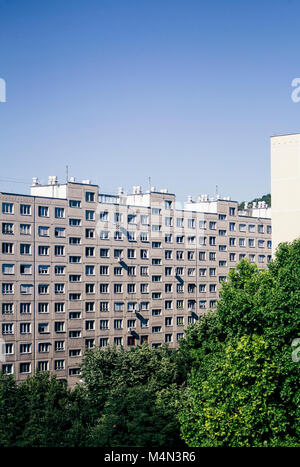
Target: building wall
{"x":173,"y":277}
{"x":285,"y":188}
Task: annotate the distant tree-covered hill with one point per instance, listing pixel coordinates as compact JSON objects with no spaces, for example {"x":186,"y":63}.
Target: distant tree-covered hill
{"x":266,"y":198}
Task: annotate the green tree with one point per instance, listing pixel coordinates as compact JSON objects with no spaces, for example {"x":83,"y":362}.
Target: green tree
{"x":239,"y":403}
{"x":260,"y":303}
{"x":137,"y":416}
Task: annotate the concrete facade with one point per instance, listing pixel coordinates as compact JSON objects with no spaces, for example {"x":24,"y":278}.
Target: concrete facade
{"x":285,"y":188}
{"x":86,"y":269}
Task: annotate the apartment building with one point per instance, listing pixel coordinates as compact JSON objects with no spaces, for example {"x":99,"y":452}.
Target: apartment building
{"x":81,"y":269}
{"x":285,"y":188}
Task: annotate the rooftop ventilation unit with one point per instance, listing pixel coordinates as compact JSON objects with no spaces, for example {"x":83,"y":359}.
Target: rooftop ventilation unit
{"x":86,"y":182}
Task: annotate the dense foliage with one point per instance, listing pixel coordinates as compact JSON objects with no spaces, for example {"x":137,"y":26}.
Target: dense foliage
{"x":232,"y":382}
{"x":266,"y":198}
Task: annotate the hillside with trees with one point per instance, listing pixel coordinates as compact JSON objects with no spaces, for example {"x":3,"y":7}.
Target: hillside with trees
{"x":266,"y":198}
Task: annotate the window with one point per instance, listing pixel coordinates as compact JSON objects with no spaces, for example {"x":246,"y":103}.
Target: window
{"x":7,"y":328}
{"x":89,"y":196}
{"x":212,"y":225}
{"x":251,"y":228}
{"x":156,"y":244}
{"x":74,"y":297}
{"x":89,"y":233}
{"x":7,"y":208}
{"x":43,"y":328}
{"x":251,"y":242}
{"x":25,"y":367}
{"x":104,"y":306}
{"x":118,"y":324}
{"x":202,"y":241}
{"x":103,"y":216}
{"x":59,"y":250}
{"x":232,"y":211}
{"x":103,"y":342}
{"x":74,"y":240}
{"x":168,"y":204}
{"x":8,"y":248}
{"x":74,"y":222}
{"x":43,"y":289}
{"x":60,"y":364}
{"x":156,"y":211}
{"x":118,"y":235}
{"x":232,"y":257}
{"x":7,"y":308}
{"x":260,"y":228}
{"x":43,"y":250}
{"x":90,"y":215}
{"x":25,"y":328}
{"x":89,"y":251}
{"x":25,"y":209}
{"x":131,"y":253}
{"x":43,"y":211}
{"x":104,"y":288}
{"x":8,"y":269}
{"x":7,"y":228}
{"x":25,"y":348}
{"x":25,"y":269}
{"x":42,"y":269}
{"x":104,"y":270}
{"x":59,"y":288}
{"x":144,"y":271}
{"x":144,"y":219}
{"x":74,"y":203}
{"x":90,"y":325}
{"x":59,"y":270}
{"x":59,"y":232}
{"x":59,"y":213}
{"x":104,"y":252}
{"x":131,"y":236}
{"x":131,"y":288}
{"x":7,"y":289}
{"x":89,"y":307}
{"x":104,"y":324}
{"x":242,"y":227}
{"x":25,"y":308}
{"x":118,"y":306}
{"x":131,"y":219}
{"x":59,"y":346}
{"x":59,"y":326}
{"x":118,"y":288}
{"x":118,"y":217}
{"x":25,"y":249}
{"x":43,"y":307}
{"x":74,"y":259}
{"x":43,"y":231}
{"x":144,"y":236}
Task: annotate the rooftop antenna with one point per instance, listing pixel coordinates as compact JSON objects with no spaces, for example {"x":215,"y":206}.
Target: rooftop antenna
{"x":149,"y":183}
{"x":217,"y":191}
{"x":67,"y":173}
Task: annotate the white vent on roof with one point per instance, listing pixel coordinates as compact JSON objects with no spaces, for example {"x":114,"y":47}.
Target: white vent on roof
{"x":35,"y":181}
{"x":86,"y":182}
{"x":72,"y":179}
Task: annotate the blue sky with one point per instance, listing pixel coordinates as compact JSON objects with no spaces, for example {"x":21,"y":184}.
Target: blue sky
{"x":187,"y":92}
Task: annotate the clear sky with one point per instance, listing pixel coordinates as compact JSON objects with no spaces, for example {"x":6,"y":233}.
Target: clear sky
{"x":187,"y":92}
